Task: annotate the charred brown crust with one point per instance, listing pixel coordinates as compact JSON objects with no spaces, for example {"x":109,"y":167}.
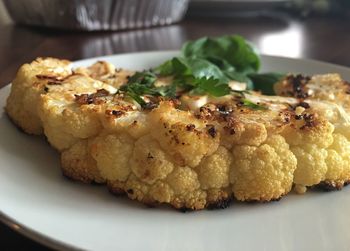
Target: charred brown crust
{"x":211,"y":130}
{"x":310,"y":121}
{"x":115,"y":113}
{"x":115,"y":189}
{"x":55,"y":79}
{"x":120,"y":111}
{"x":217,"y":112}
{"x":264,"y":200}
{"x":220,"y":204}
{"x":94,"y":98}
{"x":285,"y":116}
{"x":49,"y":77}
{"x":274,"y":199}
{"x":304,"y":105}
{"x":205,"y":113}
{"x":74,"y":176}
{"x":328,"y":186}
{"x":185,"y":209}
{"x":190,"y":127}
{"x":347,"y":85}
{"x":298,"y":84}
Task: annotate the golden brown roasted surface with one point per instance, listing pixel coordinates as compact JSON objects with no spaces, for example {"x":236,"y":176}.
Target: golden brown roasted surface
{"x":191,"y":153}
{"x":26,"y":88}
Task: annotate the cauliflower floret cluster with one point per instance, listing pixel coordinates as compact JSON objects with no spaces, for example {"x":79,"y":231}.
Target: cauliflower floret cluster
{"x":105,"y":72}
{"x":112,"y":154}
{"x":308,"y":140}
{"x":78,"y":164}
{"x":338,"y":162}
{"x":264,"y":172}
{"x":27,"y":87}
{"x":65,"y":121}
{"x":181,"y":135}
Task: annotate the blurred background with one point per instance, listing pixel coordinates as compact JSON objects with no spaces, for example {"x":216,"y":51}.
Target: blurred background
{"x":92,"y":15}
{"x":76,"y":29}
{"x":4,"y":17}
{"x":277,"y":27}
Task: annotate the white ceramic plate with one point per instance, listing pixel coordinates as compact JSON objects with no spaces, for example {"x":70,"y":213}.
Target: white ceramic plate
{"x":37,"y":201}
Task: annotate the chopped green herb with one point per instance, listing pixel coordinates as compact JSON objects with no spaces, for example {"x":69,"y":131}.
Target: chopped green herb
{"x":142,"y":83}
{"x":241,"y":93}
{"x":252,"y":105}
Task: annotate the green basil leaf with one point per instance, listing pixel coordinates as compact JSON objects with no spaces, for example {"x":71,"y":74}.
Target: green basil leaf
{"x":264,"y":82}
{"x":234,"y":49}
{"x":202,"y":68}
{"x":211,"y":86}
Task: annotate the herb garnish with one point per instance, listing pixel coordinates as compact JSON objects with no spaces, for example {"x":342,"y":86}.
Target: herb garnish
{"x":247,"y":103}
{"x":205,"y":67}
{"x":142,"y":83}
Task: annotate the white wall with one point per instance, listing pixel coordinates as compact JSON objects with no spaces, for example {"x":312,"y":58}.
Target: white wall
{"x":4,"y":17}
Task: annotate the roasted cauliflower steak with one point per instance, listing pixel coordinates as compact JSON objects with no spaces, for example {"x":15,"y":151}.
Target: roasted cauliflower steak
{"x":189,"y":154}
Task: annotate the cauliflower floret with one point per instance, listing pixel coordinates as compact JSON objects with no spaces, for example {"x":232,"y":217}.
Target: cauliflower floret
{"x":183,"y":180}
{"x":161,"y":192}
{"x":139,"y":127}
{"x":137,"y":190}
{"x":181,"y":135}
{"x":106,"y":73}
{"x":308,"y":140}
{"x":116,"y":187}
{"x":241,"y":125}
{"x":98,"y":70}
{"x":317,"y":131}
{"x":112,"y":154}
{"x":64,"y":127}
{"x":180,"y":189}
{"x":155,"y":179}
{"x":195,"y":200}
{"x":78,"y":164}
{"x":243,"y":134}
{"x":66,"y":116}
{"x":58,"y":139}
{"x":131,"y":121}
{"x":312,"y":166}
{"x":326,"y":87}
{"x":149,"y":162}
{"x":262,"y":173}
{"x":338,"y":161}
{"x":219,"y":197}
{"x":185,"y":184}
{"x":26,"y":88}
{"x":213,"y":171}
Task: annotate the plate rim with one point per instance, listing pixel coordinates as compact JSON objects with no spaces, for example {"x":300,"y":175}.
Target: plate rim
{"x":34,"y":235}
{"x":262,"y":55}
{"x":51,"y":242}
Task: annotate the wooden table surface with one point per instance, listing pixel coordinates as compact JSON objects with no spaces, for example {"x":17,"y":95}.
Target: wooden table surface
{"x":320,"y":38}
